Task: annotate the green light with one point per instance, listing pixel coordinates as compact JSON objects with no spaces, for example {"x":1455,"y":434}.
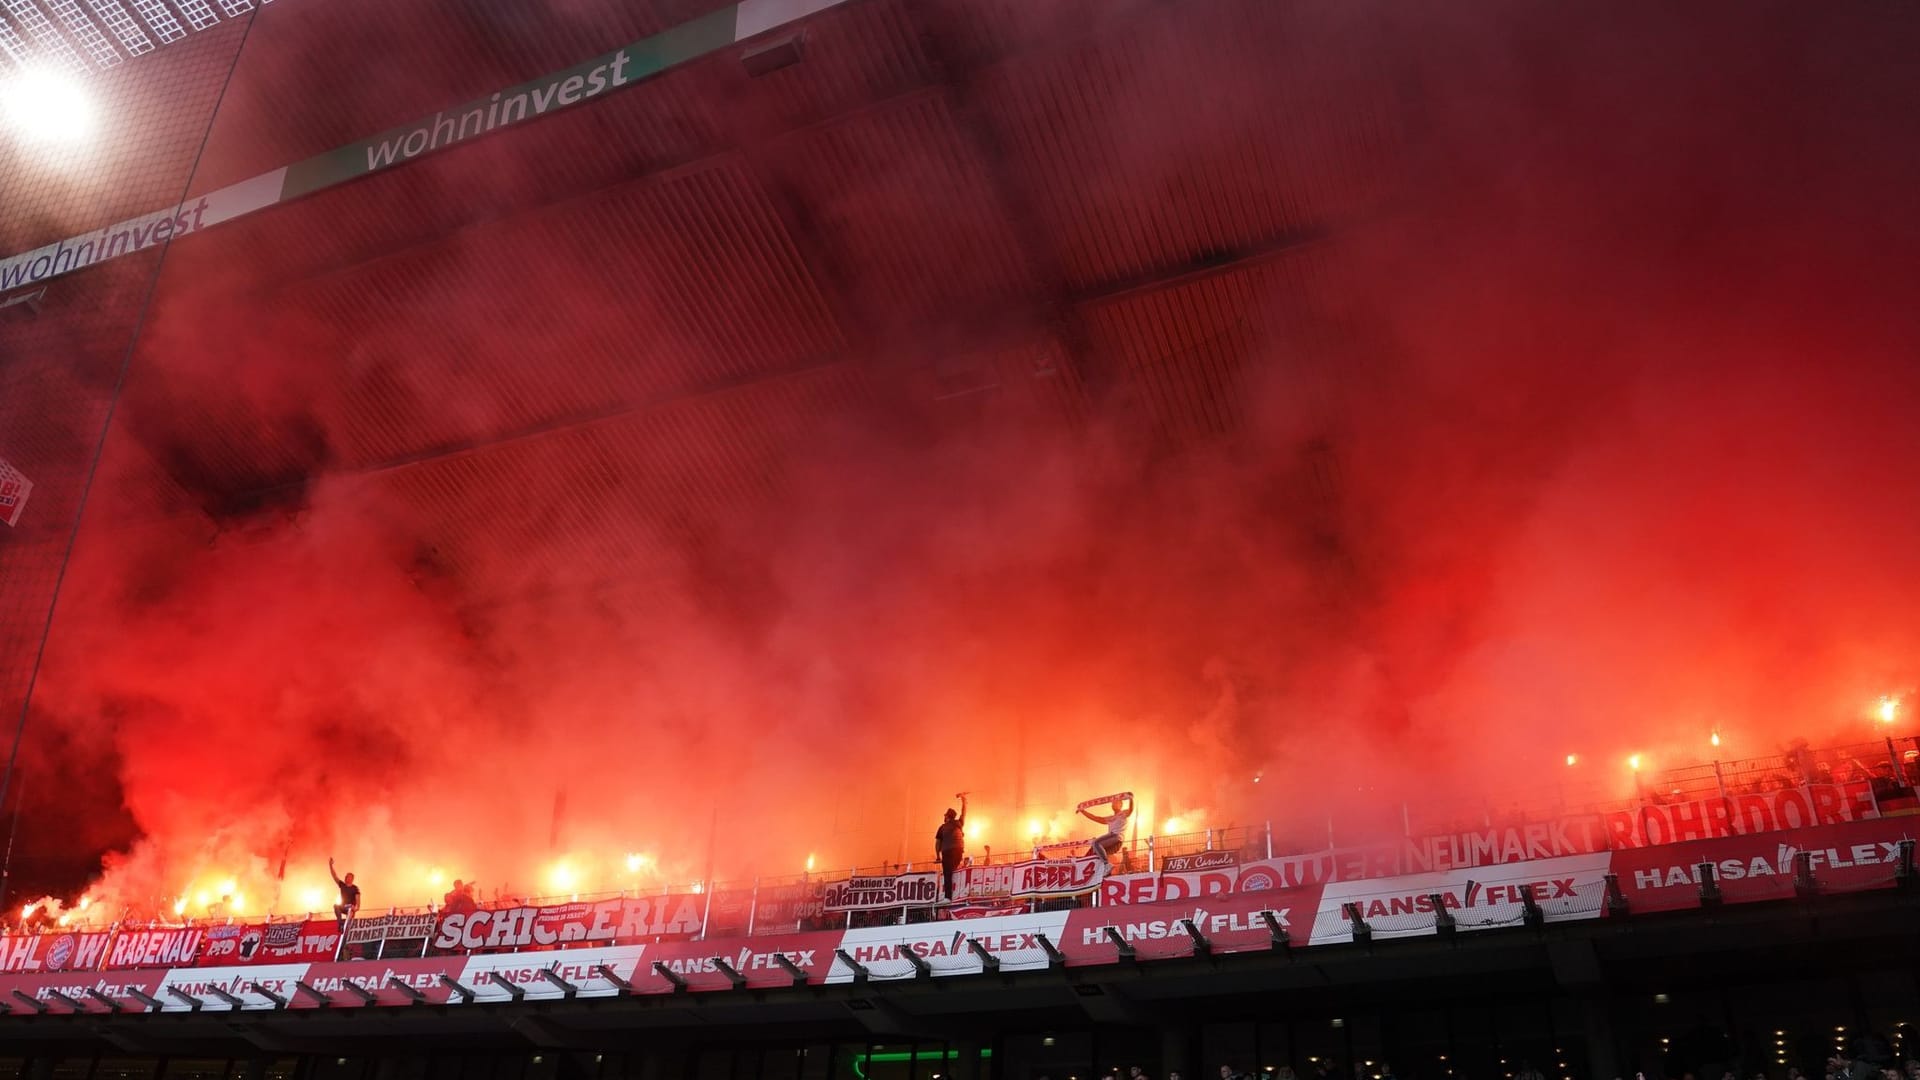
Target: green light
{"x":860,"y":1063}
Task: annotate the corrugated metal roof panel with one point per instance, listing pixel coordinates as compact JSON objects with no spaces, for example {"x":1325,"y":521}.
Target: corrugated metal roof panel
{"x":902,"y":204}
{"x":1159,"y":146}
{"x":1192,"y":355}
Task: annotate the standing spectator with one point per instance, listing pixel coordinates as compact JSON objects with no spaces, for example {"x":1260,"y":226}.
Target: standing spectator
{"x":349,"y":896}
{"x":1119,"y":809}
{"x":1135,"y":1072}
{"x":950,"y":845}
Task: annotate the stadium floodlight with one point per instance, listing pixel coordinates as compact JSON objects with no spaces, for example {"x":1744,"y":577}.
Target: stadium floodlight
{"x":613,"y":977}
{"x":1362,"y":933}
{"x":1443,"y":924}
{"x":1617,"y":906}
{"x":1709,"y":885}
{"x":514,"y":990}
{"x":859,"y":972}
{"x":1120,"y":944}
{"x":672,"y":976}
{"x":1055,"y":958}
{"x":112,"y":1003}
{"x":763,"y":60}
{"x":1530,"y":914}
{"x":552,"y":975}
{"x":1903,"y":870}
{"x":306,"y":988}
{"x":30,"y":1001}
{"x":738,"y":980}
{"x":413,"y":996}
{"x":921,"y":969}
{"x":989,"y":963}
{"x":43,"y":105}
{"x":1281,"y":941}
{"x":794,"y":970}
{"x":233,"y":1001}
{"x":152,"y":1003}
{"x":454,"y":987}
{"x":67,"y":1001}
{"x":1201,"y":946}
{"x":193,"y":1003}
{"x":279,"y":1002}
{"x":366,"y":996}
{"x":1804,"y":885}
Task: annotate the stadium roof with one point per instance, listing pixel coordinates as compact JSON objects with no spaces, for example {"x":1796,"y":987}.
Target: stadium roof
{"x":955,"y":211}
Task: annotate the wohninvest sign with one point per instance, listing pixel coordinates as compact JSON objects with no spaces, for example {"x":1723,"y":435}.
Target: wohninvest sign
{"x":572,"y":86}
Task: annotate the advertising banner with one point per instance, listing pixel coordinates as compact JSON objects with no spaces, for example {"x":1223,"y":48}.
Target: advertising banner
{"x":607,"y":921}
{"x":1229,"y":923}
{"x":1031,"y":879}
{"x":80,"y":951}
{"x":873,"y":893}
{"x":944,"y":946}
{"x":1842,"y":858}
{"x":698,"y":962}
{"x":1568,"y":888}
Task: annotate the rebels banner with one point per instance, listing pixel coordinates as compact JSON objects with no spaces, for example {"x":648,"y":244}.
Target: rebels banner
{"x":879,"y":893}
{"x":1843,"y":858}
{"x":52,"y":952}
{"x":1029,"y":880}
{"x":621,"y":919}
{"x":305,"y":942}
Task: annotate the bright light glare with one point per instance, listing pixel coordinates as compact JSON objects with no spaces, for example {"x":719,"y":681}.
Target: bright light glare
{"x":27,"y":912}
{"x":1034,"y":828}
{"x":313,"y":898}
{"x":47,"y":106}
{"x":238,"y":905}
{"x":1633,"y":762}
{"x":64,"y":919}
{"x":1715,"y":740}
{"x":1573,"y":759}
{"x":1889,"y":709}
{"x":1173,"y":825}
{"x":563,"y":876}
{"x":435,"y":877}
{"x":86,"y":902}
{"x":180,"y":905}
{"x":635,"y":861}
{"x":809,"y":864}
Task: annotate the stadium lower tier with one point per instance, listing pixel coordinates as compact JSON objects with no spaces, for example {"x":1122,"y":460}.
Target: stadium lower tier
{"x":74,"y":974}
{"x":1751,"y":988}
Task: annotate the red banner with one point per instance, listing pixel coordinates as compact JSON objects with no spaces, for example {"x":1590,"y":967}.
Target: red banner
{"x":1031,"y":879}
{"x":155,"y":948}
{"x":608,"y":921}
{"x":310,"y":941}
{"x":1843,"y":858}
{"x":1741,"y":815}
{"x":81,"y":951}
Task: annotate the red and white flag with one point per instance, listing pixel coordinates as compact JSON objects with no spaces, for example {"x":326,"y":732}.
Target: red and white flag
{"x":14,"y":489}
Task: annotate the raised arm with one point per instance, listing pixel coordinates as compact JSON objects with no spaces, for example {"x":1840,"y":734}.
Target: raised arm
{"x":335,"y":873}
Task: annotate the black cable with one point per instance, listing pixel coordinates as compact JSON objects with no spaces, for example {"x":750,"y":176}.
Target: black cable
{"x":106,"y":422}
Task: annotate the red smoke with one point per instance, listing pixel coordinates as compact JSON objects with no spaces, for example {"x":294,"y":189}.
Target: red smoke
{"x":1592,"y":433}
